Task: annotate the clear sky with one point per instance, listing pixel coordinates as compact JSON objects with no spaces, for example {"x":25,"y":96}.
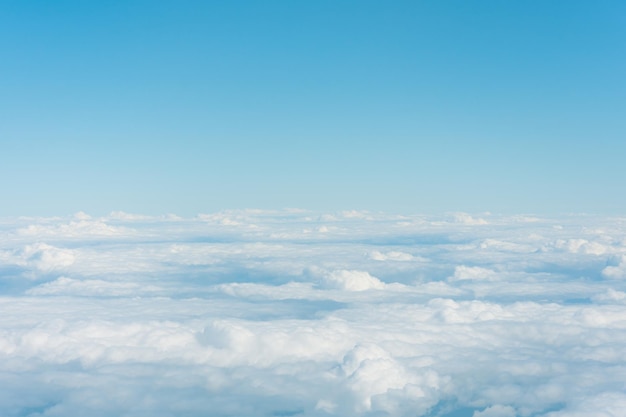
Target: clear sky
{"x":416,"y":106}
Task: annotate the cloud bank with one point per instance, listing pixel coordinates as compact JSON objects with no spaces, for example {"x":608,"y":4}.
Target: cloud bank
{"x":293,"y":313}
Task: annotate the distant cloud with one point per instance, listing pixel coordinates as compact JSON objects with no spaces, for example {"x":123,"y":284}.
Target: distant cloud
{"x":81,"y":228}
{"x":351,"y":280}
{"x":464,"y":218}
{"x":463,"y":272}
{"x":45,"y":257}
{"x":617,"y":271}
{"x":91,"y":288}
{"x":496,"y":411}
{"x":391,"y":256}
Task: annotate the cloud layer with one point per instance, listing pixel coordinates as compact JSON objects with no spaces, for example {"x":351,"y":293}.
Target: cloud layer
{"x":292,"y":313}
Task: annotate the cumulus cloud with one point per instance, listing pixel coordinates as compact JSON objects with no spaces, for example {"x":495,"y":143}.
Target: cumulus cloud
{"x":582,"y":246}
{"x":46,"y":257}
{"x":608,"y":404}
{"x":371,"y":374}
{"x":391,"y":256}
{"x":496,"y":411}
{"x":616,"y":271}
{"x":83,"y":226}
{"x":610,"y":295}
{"x":463,"y":272}
{"x":464,"y":218}
{"x":293,"y":313}
{"x":351,"y":280}
{"x":37,"y":259}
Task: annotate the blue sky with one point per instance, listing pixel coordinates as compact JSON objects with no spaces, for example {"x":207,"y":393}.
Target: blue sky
{"x":187,"y":107}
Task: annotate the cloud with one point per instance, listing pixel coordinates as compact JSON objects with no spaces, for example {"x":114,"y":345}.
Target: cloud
{"x":355,"y":214}
{"x":91,"y":287}
{"x":608,"y":404}
{"x":463,"y":272}
{"x":391,"y":256}
{"x":466,"y":219}
{"x":38,"y":259}
{"x":610,"y":296}
{"x":245,"y":313}
{"x":582,"y":246}
{"x":377,"y":381}
{"x":496,"y":411}
{"x":351,"y":280}
{"x":616,"y":271}
{"x":82,"y":227}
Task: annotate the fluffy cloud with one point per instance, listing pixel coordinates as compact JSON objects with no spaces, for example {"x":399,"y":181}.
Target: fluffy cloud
{"x":391,"y":256}
{"x":496,"y":411}
{"x":45,"y":257}
{"x":351,"y":280}
{"x":616,"y":271}
{"x":91,"y":287}
{"x":463,"y":272}
{"x":464,"y":218}
{"x":291,"y":313}
{"x":37,"y":259}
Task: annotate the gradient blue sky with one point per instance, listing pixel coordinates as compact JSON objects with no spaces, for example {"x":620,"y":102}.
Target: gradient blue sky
{"x":187,"y":107}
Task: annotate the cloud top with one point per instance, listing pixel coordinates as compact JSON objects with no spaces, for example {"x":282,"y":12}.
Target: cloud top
{"x":282,"y":313}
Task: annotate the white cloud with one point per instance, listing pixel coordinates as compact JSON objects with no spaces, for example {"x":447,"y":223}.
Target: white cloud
{"x":496,"y":411}
{"x":391,"y":256}
{"x":351,"y":280}
{"x":464,"y":218}
{"x":243,"y":313}
{"x":81,"y":215}
{"x":610,"y":295}
{"x":42,"y":258}
{"x":355,"y":214}
{"x":463,"y":272}
{"x":91,"y":287}
{"x":371,"y":372}
{"x":616,"y":271}
{"x":582,"y":246}
{"x":83,"y":227}
{"x":608,"y":404}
